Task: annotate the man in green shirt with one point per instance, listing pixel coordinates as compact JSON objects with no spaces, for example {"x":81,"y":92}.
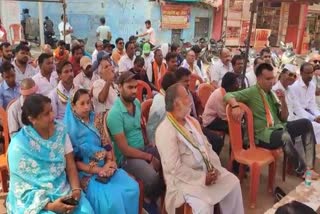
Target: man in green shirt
{"x":124,"y":123}
{"x":270,"y":113}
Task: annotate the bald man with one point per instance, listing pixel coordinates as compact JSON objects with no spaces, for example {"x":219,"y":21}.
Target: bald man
{"x":220,"y":68}
{"x":14,"y":109}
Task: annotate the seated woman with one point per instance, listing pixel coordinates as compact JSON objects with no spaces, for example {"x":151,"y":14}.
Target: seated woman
{"x":42,"y":168}
{"x":109,"y":190}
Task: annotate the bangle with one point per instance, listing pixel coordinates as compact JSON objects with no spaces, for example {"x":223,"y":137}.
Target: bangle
{"x":75,"y":189}
{"x":236,"y":106}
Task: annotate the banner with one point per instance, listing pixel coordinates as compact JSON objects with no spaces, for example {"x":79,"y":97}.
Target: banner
{"x":262,"y":36}
{"x":244,"y":33}
{"x":175,"y":16}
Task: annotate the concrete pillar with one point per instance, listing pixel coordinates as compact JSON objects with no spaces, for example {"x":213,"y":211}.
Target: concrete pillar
{"x":217,"y":22}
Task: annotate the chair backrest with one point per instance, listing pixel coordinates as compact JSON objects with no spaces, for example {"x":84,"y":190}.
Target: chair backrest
{"x":145,"y":109}
{"x":193,"y":82}
{"x":204,"y":92}
{"x":15,"y":33}
{"x":5,"y":133}
{"x":235,"y":130}
{"x":143,"y":86}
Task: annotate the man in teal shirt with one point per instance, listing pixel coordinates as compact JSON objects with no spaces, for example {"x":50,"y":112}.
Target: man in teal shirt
{"x":124,"y":123}
{"x":270,"y":113}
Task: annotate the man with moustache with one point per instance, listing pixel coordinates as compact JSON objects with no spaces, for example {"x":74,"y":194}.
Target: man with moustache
{"x":124,"y":123}
{"x":21,"y":66}
{"x":5,"y":52}
{"x":302,"y":97}
{"x":61,"y":94}
{"x":192,"y":170}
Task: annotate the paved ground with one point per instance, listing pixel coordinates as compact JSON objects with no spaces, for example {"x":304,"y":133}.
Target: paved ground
{"x":264,"y":200}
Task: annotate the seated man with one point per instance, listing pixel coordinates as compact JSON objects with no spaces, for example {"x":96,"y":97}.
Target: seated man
{"x":27,"y":88}
{"x":157,"y":68}
{"x":192,"y":171}
{"x":77,"y":54}
{"x":86,"y":77}
{"x":124,"y":123}
{"x":302,"y":97}
{"x":61,"y":94}
{"x":214,"y":115}
{"x":269,"y":115}
{"x":9,"y":88}
{"x":61,"y":53}
{"x":158,"y":111}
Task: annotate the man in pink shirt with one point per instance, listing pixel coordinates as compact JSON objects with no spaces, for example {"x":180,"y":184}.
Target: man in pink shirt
{"x":214,"y":115}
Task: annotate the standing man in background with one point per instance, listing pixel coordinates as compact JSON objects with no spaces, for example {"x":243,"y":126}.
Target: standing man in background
{"x":150,"y":33}
{"x":65,"y":32}
{"x":104,"y":31}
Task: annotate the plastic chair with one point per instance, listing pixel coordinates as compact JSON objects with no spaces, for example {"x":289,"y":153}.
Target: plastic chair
{"x":253,"y":157}
{"x":3,"y":157}
{"x":15,"y":33}
{"x":145,"y":109}
{"x":193,"y":82}
{"x":204,"y":92}
{"x":141,"y":87}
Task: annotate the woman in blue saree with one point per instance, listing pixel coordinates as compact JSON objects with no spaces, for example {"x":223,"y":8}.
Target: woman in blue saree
{"x":108,"y":189}
{"x":41,"y":165}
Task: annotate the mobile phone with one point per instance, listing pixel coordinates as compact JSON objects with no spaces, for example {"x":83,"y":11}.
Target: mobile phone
{"x":70,"y":201}
{"x":102,"y":180}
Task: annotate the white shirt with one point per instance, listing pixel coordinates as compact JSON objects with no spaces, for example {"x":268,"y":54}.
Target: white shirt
{"x":29,"y":72}
{"x":252,"y":79}
{"x":195,"y":70}
{"x":218,"y":70}
{"x":279,"y":86}
{"x":45,"y":86}
{"x":152,"y":36}
{"x":148,"y":64}
{"x":58,"y":106}
{"x":68,"y":27}
{"x":303,"y":100}
{"x":82,"y":81}
{"x":94,"y":55}
{"x":125,"y":63}
{"x":14,"y":116}
{"x":103,"y":32}
{"x":112,"y":96}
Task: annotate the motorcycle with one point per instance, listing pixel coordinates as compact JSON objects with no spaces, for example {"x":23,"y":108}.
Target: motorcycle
{"x":211,"y":51}
{"x":288,"y":55}
{"x":50,"y":39}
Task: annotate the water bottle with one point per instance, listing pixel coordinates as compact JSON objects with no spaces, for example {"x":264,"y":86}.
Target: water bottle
{"x":307,"y":181}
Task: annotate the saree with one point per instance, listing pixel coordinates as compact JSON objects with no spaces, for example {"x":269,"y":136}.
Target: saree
{"x":37,"y":172}
{"x":121,"y":193}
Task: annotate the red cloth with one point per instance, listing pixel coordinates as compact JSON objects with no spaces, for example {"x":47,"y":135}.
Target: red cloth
{"x":75,"y":66}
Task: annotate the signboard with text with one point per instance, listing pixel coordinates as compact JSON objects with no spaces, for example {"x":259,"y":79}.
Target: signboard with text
{"x":262,"y":36}
{"x":244,"y":33}
{"x":175,"y":16}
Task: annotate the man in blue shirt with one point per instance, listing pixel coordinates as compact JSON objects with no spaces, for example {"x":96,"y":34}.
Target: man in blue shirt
{"x":9,"y":89}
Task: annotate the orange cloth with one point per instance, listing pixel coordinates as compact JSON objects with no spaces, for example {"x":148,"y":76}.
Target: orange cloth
{"x":116,"y":55}
{"x":156,"y":77}
{"x":59,"y":57}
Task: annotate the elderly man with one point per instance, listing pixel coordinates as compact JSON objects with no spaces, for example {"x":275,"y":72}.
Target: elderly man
{"x":126,"y":61}
{"x":192,"y":171}
{"x":270,"y":114}
{"x":221,"y":67}
{"x":157,"y":68}
{"x":302,"y":98}
{"x":86,"y":77}
{"x":27,"y":88}
{"x":99,"y":47}
{"x":191,"y":64}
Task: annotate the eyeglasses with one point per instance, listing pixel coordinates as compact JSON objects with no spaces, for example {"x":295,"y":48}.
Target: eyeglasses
{"x":316,"y":61}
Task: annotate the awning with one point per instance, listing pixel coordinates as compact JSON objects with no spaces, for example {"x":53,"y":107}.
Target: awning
{"x":298,"y":1}
{"x":212,"y":3}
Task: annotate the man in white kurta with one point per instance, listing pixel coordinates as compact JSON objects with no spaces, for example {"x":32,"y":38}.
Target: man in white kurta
{"x":192,"y":171}
{"x":302,"y":95}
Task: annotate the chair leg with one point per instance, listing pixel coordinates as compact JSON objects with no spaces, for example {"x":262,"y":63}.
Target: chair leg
{"x":272,"y":173}
{"x":4,"y":180}
{"x":231,"y":159}
{"x":254,"y":184}
{"x":284,"y":167}
{"x":241,"y":172}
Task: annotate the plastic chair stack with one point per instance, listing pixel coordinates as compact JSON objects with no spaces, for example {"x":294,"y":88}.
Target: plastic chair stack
{"x":141,"y":87}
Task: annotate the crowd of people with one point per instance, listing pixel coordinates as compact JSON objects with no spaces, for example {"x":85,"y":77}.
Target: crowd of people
{"x":75,"y":124}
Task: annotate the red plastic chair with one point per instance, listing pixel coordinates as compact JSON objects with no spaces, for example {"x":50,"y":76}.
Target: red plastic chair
{"x":145,"y":109}
{"x":15,"y":33}
{"x":3,"y":157}
{"x":253,"y":157}
{"x":204,"y":92}
{"x":143,"y":85}
{"x":193,"y":82}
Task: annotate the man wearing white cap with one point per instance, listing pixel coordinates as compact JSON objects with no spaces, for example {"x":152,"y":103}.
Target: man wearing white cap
{"x":86,"y":77}
{"x":302,"y":99}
